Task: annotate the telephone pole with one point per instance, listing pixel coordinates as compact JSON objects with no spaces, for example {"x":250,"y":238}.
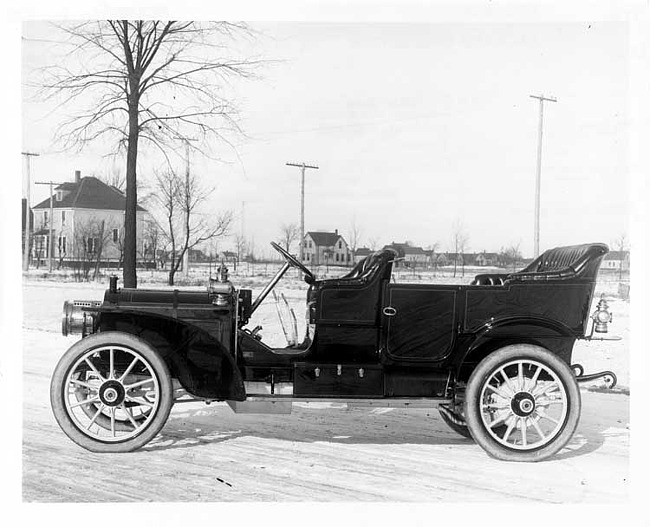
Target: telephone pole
{"x":28,"y":156}
{"x":302,"y":166}
{"x":50,"y":244}
{"x":538,"y":180}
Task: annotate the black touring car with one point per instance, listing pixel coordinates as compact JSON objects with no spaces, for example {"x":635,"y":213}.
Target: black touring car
{"x":494,"y":355}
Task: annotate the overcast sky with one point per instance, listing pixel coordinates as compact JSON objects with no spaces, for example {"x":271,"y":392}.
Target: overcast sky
{"x":414,"y":127}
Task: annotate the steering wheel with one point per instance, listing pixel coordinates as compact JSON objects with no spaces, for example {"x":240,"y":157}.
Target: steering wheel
{"x":294,"y":262}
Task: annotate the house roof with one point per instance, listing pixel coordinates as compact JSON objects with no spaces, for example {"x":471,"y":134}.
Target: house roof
{"x":88,"y":193}
{"x":414,"y":250}
{"x":324,"y":239}
{"x":362,"y":251}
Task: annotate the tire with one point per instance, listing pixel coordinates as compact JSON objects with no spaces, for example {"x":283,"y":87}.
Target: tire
{"x":128,"y":388}
{"x":522,"y":403}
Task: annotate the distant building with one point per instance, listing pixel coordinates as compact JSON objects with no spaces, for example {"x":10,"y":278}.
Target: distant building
{"x":198,"y":256}
{"x":484,"y":259}
{"x":229,"y":257}
{"x":87,"y":222}
{"x":616,"y":260}
{"x":415,"y":256}
{"x":326,"y":248}
{"x":461,"y":258}
{"x":361,"y":253}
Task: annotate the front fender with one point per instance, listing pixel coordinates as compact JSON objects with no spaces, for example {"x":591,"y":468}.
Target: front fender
{"x":201,"y":362}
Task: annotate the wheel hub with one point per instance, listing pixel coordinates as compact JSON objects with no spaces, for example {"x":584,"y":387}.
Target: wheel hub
{"x":112,"y":393}
{"x":523,"y":404}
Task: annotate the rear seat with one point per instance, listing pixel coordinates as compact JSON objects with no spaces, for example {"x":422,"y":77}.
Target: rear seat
{"x":559,"y":263}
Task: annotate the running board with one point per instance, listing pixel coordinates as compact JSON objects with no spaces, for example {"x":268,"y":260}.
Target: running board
{"x":282,"y":404}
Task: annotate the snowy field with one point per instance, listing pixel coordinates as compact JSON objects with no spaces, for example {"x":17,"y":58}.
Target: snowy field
{"x":321,"y":452}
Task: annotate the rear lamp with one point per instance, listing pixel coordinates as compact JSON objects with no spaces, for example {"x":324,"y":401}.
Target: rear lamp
{"x":601,"y":316}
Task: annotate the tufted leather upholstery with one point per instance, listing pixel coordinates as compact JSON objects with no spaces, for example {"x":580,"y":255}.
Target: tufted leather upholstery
{"x":563,"y":263}
{"x":367,"y":268}
{"x":559,"y":263}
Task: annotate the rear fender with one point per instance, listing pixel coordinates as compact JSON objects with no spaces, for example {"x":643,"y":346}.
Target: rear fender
{"x":202,"y":364}
{"x":549,"y":334}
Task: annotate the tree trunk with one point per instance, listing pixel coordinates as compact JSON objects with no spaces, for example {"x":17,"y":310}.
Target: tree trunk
{"x":130,"y":234}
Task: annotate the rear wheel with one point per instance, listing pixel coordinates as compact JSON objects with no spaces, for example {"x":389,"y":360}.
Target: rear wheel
{"x":522,"y":403}
{"x":111,"y":392}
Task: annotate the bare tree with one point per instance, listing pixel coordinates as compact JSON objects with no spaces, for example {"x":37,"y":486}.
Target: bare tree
{"x":354,"y":235}
{"x":459,"y":241}
{"x":146,"y":79}
{"x":184,"y":226}
{"x":113,"y":178}
{"x":151,"y":243}
{"x":289,"y":233}
{"x":90,"y":237}
{"x":510,"y":256}
{"x":241,"y":248}
{"x":434,"y":259}
{"x":621,"y":245}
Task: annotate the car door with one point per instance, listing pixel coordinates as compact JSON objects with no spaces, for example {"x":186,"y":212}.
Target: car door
{"x":419,"y":321}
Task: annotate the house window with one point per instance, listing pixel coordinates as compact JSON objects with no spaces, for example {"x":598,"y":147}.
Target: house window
{"x":337,"y":257}
{"x":62,"y":217}
{"x":307,"y":257}
{"x":91,"y":245}
{"x":59,"y":195}
{"x":310,"y":244}
{"x":40,"y":244}
{"x":63,"y":246}
{"x":340,"y":246}
{"x":116,"y":234}
{"x":45,"y":218}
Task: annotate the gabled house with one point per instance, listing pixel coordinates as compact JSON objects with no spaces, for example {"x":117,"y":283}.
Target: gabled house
{"x":87,"y":223}
{"x":484,"y":259}
{"x":409,"y":255}
{"x":415,"y":256}
{"x":326,"y":248}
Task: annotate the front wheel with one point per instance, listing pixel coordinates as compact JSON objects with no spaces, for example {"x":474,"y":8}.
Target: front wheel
{"x":522,"y":403}
{"x":111,"y":392}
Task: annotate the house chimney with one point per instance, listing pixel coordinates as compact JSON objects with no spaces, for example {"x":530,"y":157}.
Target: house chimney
{"x":77,"y":176}
{"x":336,"y":231}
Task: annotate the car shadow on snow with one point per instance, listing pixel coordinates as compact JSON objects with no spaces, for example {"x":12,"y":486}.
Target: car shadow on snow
{"x":605,"y":417}
{"x":309,"y":425}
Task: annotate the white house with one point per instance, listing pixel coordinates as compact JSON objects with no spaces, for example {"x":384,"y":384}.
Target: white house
{"x":326,"y":248}
{"x":87,"y":220}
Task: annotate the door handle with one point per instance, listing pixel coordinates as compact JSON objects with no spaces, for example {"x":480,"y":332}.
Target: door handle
{"x":390,"y":311}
